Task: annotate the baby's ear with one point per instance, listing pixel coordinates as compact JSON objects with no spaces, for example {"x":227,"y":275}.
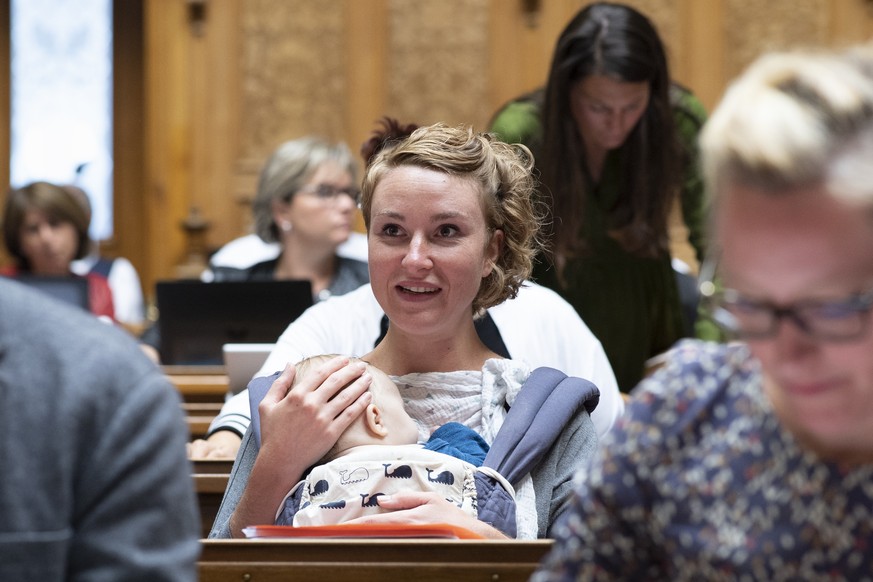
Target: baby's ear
{"x":373,"y":420}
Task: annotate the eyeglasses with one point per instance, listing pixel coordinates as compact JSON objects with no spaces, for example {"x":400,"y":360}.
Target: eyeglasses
{"x":330,"y":193}
{"x":746,"y":318}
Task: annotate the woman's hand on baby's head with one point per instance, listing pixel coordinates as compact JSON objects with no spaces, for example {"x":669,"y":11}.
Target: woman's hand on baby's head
{"x":313,"y":412}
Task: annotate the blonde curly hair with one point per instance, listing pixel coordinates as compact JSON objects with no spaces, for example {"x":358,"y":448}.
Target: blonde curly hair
{"x":506,"y":182}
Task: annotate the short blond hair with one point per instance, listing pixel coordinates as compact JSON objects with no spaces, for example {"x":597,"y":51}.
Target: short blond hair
{"x":796,"y":119}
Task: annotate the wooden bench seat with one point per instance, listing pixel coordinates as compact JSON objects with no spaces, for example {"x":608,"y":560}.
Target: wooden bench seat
{"x":364,"y":560}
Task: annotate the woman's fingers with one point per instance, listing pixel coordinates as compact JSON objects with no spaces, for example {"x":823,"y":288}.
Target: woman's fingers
{"x":330,"y":387}
{"x":280,"y":387}
{"x":316,"y":410}
{"x":426,"y":507}
{"x":347,"y":400}
{"x":325,"y":381}
{"x":408,"y":500}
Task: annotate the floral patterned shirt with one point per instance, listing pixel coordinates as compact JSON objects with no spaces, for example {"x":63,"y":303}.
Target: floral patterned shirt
{"x":699,"y":481}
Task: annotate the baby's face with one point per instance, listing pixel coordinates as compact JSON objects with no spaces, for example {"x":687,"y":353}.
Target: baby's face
{"x":402,"y":429}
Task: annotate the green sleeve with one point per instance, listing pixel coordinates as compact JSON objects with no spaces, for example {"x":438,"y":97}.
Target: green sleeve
{"x":690,"y":116}
{"x":517,"y":122}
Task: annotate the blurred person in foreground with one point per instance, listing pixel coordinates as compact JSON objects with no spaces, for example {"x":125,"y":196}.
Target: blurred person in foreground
{"x":753,"y":459}
{"x":94,"y":482}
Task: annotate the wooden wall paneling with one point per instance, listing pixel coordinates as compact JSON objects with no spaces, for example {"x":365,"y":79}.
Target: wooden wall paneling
{"x":169,"y":130}
{"x":753,"y":28}
{"x":701,"y":64}
{"x":193,"y":119}
{"x":520,"y":46}
{"x":128,"y":136}
{"x":216,"y":98}
{"x":522,"y":37}
{"x":438,"y":62}
{"x":366,"y":32}
{"x":293,"y":78}
{"x":294,"y":81}
{"x":851,"y":22}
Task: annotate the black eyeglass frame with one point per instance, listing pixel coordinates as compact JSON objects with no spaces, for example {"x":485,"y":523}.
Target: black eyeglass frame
{"x":328,"y":192}
{"x":717,"y":302}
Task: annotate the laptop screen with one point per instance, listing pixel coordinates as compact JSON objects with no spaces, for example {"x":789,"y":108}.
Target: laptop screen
{"x":196,"y":319}
{"x":72,"y":290}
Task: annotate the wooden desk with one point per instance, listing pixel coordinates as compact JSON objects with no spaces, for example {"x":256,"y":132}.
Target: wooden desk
{"x":199,"y":383}
{"x":322,"y":560}
{"x":202,"y":408}
{"x":199,"y":415}
{"x":198,"y":426}
{"x":210,"y":490}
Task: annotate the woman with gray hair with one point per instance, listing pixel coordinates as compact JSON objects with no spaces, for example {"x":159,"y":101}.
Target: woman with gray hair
{"x":306,"y":201}
{"x":753,"y":460}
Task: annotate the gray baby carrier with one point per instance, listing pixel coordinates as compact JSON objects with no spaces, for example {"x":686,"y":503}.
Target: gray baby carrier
{"x":546,"y":403}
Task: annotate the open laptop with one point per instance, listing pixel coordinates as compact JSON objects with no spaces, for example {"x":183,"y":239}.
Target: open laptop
{"x":72,"y":290}
{"x":196,"y":319}
{"x":242,"y":362}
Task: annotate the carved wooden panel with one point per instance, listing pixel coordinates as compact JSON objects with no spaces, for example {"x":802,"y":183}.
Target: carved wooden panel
{"x":438,"y":62}
{"x":664,"y":14}
{"x":293,"y":72}
{"x":752,"y":27}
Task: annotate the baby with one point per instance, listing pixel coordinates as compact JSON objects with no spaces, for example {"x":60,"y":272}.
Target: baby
{"x":379,"y":454}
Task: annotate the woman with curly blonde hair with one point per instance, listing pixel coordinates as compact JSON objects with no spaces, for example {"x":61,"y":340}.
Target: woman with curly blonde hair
{"x":452,"y":230}
{"x":502,"y":172}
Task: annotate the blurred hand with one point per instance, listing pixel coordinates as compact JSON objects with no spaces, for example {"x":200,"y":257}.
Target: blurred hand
{"x":222,"y":445}
{"x":423,"y":508}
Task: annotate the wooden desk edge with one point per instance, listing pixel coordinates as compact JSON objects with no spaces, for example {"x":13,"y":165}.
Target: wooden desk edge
{"x":211,"y":483}
{"x":378,"y":550}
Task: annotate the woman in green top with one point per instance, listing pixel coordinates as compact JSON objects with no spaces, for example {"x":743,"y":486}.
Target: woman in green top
{"x":615,"y":143}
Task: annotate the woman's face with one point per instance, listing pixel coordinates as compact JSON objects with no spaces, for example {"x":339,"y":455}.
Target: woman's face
{"x":607,"y":110}
{"x":805,"y":246}
{"x":322,"y":211}
{"x":50,"y":245}
{"x":429,"y":248}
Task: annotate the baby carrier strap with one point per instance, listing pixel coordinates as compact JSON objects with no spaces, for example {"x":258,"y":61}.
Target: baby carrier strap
{"x":546,"y":403}
{"x":258,"y":388}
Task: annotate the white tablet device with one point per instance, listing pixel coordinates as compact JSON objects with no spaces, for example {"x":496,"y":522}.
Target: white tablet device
{"x":242,"y":361}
